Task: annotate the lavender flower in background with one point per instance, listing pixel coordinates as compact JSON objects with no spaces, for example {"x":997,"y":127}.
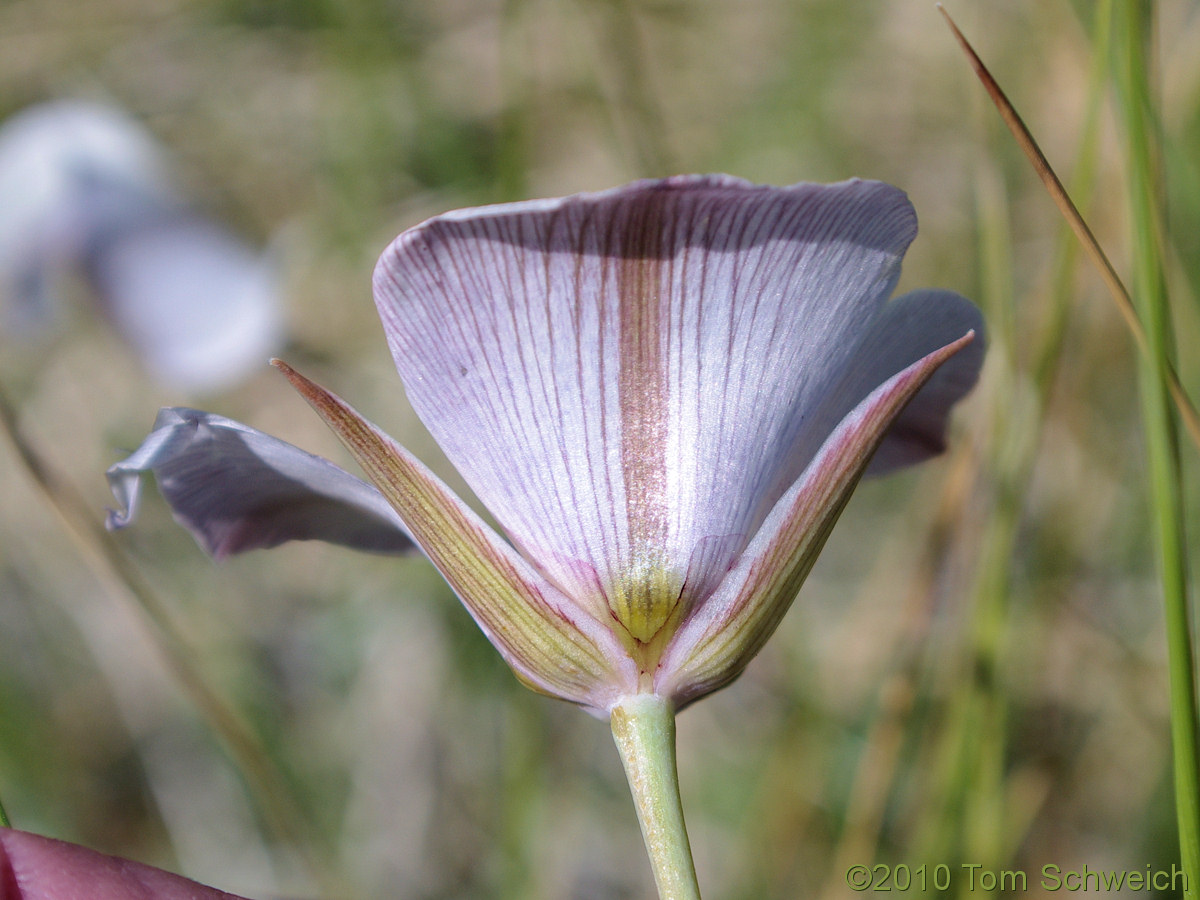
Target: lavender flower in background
{"x":665,"y":394}
{"x":38,"y":868}
{"x":85,"y":190}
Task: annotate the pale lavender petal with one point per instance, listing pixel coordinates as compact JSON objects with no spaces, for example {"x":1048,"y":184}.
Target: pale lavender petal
{"x":624,"y":378}
{"x":237,"y":489}
{"x":910,"y":327}
{"x":907,"y":329}
{"x":39,"y":868}
{"x":714,"y":645}
{"x":551,"y":645}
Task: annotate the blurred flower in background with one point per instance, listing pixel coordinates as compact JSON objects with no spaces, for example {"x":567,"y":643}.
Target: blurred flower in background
{"x":85,"y":191}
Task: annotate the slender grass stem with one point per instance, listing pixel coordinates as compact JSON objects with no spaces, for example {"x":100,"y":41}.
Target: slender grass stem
{"x":991,"y":827}
{"x":644,"y":729}
{"x":1132,"y":28}
{"x":639,"y":111}
{"x":512,"y":156}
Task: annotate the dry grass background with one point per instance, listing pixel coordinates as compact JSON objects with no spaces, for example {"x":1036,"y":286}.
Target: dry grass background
{"x":975,"y":670}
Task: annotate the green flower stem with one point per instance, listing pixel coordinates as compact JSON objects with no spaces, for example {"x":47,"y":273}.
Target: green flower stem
{"x":643,"y":726}
{"x":4,"y":822}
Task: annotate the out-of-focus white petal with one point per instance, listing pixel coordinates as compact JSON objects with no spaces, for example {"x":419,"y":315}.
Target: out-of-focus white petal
{"x":237,"y":489}
{"x":200,"y":308}
{"x":624,"y":378}
{"x":47,"y":152}
{"x":85,"y":189}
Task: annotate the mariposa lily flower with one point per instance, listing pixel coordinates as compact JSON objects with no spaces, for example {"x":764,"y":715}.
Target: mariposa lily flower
{"x":33,"y":867}
{"x":664,"y":394}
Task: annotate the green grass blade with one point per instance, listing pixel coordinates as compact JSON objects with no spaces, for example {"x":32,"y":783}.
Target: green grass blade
{"x":1132,"y":27}
{"x":1149,"y":322}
